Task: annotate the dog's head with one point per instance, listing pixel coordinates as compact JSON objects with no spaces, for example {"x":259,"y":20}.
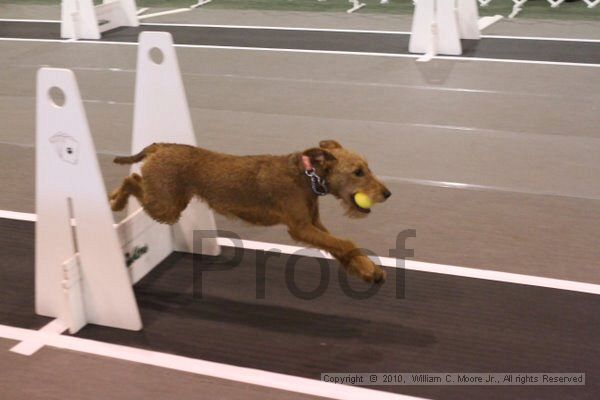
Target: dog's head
{"x":346,"y":174}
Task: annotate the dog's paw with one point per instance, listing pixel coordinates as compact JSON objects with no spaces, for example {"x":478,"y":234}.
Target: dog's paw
{"x":365,"y":269}
{"x":114,"y":194}
{"x":117,"y":203}
{"x":379,"y":275}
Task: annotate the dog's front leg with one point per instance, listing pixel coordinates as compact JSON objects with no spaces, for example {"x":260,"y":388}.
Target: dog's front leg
{"x":346,"y":252}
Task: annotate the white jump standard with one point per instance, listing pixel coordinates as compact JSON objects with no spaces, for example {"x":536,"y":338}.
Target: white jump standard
{"x":80,"y":19}
{"x":356,"y":5}
{"x":80,"y":257}
{"x":439,"y":25}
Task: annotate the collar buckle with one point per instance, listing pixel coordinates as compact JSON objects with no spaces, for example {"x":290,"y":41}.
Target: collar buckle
{"x":318,"y":184}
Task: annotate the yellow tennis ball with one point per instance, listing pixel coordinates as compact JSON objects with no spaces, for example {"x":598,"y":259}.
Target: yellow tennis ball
{"x":362,"y":200}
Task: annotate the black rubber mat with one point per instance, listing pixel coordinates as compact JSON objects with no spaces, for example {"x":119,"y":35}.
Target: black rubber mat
{"x":242,"y":314}
{"x":17,"y":275}
{"x":360,"y":42}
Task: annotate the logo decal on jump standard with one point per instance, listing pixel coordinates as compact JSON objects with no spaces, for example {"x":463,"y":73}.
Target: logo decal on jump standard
{"x":137,"y":252}
{"x":66,"y":146}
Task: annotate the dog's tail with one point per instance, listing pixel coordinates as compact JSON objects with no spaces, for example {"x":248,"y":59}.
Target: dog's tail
{"x":136,"y":157}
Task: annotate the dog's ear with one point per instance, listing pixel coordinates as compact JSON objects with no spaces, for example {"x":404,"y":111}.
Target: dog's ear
{"x":329,"y":144}
{"x":320,"y":157}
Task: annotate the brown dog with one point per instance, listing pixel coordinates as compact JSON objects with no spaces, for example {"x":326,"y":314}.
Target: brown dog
{"x":263,"y":190}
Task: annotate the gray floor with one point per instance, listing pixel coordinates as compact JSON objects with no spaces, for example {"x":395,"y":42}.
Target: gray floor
{"x":62,"y":374}
{"x":527,"y":133}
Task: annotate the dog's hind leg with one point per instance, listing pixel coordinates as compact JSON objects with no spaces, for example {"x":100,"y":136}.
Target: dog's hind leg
{"x":132,"y":185}
{"x":164,"y":200}
{"x":161,"y":205}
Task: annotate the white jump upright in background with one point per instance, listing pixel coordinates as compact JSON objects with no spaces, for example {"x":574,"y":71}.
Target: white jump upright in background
{"x":161,"y":114}
{"x":356,"y":5}
{"x":80,"y":19}
{"x":84,"y":264}
{"x":439,"y":25}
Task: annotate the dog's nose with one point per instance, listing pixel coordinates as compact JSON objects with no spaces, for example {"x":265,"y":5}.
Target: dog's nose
{"x":386,"y":193}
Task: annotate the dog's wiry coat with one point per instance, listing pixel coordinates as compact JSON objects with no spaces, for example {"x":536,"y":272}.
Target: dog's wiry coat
{"x":263,"y":190}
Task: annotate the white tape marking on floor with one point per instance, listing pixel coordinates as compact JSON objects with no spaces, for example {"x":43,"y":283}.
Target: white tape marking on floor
{"x":278,"y":28}
{"x":200,"y":367}
{"x":32,"y":344}
{"x":350,"y":53}
{"x":54,"y":21}
{"x":485,"y":188}
{"x":34,"y":40}
{"x":549,"y":39}
{"x":20,"y":216}
{"x":410,"y":265}
{"x":413,"y":265}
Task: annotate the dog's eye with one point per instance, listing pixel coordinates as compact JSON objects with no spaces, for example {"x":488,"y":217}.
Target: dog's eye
{"x":359,"y":172}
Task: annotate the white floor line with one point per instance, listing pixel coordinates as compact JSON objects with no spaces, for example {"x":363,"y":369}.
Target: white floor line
{"x":57,"y":21}
{"x":280,"y":28}
{"x":31,"y":345}
{"x":347,"y":53}
{"x":19,"y":216}
{"x":511,"y":61}
{"x":291,"y":28}
{"x":549,"y":39}
{"x":34,"y":40}
{"x":200,"y":367}
{"x":485,"y":188}
{"x":411,"y":265}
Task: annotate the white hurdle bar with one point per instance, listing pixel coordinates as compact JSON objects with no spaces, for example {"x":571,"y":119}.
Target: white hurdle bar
{"x":85,"y":265}
{"x":200,"y":3}
{"x":80,"y":19}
